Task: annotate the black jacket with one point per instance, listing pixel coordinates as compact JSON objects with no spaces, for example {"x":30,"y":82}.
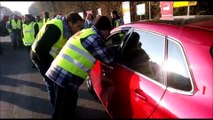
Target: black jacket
{"x":49,"y":38}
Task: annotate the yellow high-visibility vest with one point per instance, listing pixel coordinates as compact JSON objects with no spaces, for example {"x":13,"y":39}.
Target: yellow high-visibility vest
{"x":74,"y":58}
{"x":28,"y":32}
{"x":117,"y":23}
{"x":40,"y":24}
{"x":16,"y":25}
{"x":55,"y":49}
{"x":46,"y":20}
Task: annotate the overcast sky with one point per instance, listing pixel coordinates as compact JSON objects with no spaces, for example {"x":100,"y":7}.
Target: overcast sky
{"x":21,"y":6}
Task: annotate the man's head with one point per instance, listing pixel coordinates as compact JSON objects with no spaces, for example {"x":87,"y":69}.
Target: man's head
{"x":75,"y":22}
{"x":104,"y":25}
{"x":114,"y":14}
{"x":37,"y":18}
{"x":11,"y":17}
{"x":15,"y":17}
{"x":89,"y":17}
{"x":27,"y":18}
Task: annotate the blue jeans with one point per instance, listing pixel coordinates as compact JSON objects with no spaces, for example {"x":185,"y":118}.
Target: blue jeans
{"x":16,"y":39}
{"x":66,"y":93}
{"x":50,"y":88}
{"x":43,"y":67}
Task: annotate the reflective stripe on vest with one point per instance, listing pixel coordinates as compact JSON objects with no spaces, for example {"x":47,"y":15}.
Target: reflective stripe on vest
{"x":16,"y":25}
{"x":28,"y":32}
{"x":55,"y":49}
{"x":74,"y":58}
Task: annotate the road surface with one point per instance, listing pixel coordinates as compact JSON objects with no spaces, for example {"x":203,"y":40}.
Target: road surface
{"x":23,"y":93}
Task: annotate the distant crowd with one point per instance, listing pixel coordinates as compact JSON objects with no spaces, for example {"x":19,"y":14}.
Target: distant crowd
{"x":16,"y":27}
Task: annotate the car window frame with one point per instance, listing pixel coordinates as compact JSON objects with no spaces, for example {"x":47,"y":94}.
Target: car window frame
{"x":165,"y":49}
{"x":112,"y":33}
{"x":163,"y":85}
{"x":117,"y":32}
{"x":171,"y":89}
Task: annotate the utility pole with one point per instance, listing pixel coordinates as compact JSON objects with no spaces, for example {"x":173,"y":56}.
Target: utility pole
{"x":188,"y":9}
{"x":149,"y":11}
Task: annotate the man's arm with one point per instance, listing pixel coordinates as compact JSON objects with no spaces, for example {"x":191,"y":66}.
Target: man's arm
{"x":36,"y":28}
{"x":49,"y":38}
{"x":22,"y":32}
{"x":98,"y":49}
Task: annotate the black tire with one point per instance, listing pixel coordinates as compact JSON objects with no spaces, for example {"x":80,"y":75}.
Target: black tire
{"x":91,"y":89}
{"x":90,"y":86}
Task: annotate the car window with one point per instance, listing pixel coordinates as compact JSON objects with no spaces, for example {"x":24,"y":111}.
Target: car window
{"x":178,"y":76}
{"x":115,"y":39}
{"x":144,"y":53}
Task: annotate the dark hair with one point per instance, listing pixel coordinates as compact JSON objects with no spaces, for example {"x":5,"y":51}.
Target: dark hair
{"x":114,"y":12}
{"x":38,"y":17}
{"x":134,"y":40}
{"x":74,"y":17}
{"x":91,"y":16}
{"x":27,"y":15}
{"x":32,"y":18}
{"x":103,"y":23}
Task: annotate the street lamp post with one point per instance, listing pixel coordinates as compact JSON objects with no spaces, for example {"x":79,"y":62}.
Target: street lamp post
{"x":149,"y":11}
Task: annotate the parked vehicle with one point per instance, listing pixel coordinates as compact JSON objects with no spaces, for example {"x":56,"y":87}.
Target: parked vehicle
{"x":166,"y":73}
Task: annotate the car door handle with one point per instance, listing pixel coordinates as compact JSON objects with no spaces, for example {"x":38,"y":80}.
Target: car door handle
{"x":140,"y":94}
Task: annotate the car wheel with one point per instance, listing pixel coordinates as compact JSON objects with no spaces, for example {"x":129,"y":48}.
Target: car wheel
{"x":89,"y":85}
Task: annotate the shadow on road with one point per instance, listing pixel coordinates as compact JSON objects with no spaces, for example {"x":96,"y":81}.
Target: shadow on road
{"x":87,"y":113}
{"x":18,"y":59}
{"x":18,"y":83}
{"x":26,"y":102}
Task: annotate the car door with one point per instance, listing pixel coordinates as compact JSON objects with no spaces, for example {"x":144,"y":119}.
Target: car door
{"x":135,"y":92}
{"x":100,"y":72}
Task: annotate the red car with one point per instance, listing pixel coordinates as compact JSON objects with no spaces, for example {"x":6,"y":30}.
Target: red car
{"x":162,"y":71}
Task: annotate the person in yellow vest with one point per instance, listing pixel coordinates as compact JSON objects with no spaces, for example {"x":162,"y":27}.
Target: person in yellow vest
{"x":48,"y":43}
{"x":29,"y":32}
{"x":9,"y":26}
{"x":74,"y":62}
{"x":16,"y":25}
{"x":116,"y":19}
{"x":39,"y":21}
{"x":46,"y":17}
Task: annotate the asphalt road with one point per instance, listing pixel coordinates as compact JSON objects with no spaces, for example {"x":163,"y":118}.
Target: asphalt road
{"x":23,"y":93}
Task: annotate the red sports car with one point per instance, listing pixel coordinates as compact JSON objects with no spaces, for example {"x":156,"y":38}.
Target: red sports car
{"x":161,"y":71}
